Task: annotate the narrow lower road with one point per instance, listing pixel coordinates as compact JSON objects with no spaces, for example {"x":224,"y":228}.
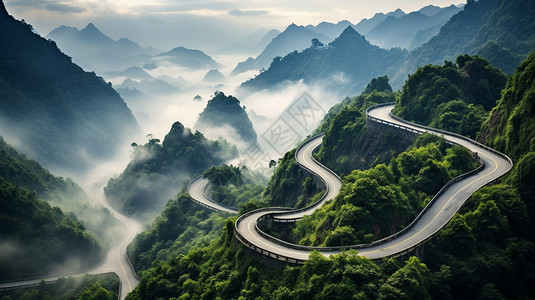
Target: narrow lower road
{"x":196,"y":190}
{"x":116,"y":260}
{"x":432,"y":219}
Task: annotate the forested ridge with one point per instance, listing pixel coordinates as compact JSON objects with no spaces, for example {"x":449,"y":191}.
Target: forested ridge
{"x":492,"y":229}
{"x":334,"y":65}
{"x":158,"y":170}
{"x":34,"y":236}
{"x":51,"y":109}
{"x":222,"y":111}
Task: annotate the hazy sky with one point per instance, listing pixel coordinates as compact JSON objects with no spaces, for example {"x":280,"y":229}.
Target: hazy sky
{"x":202,"y":24}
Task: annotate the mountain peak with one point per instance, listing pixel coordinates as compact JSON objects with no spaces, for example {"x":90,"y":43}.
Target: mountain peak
{"x":349,"y":36}
{"x":397,"y":13}
{"x":349,"y":31}
{"x":92,"y":33}
{"x":292,"y":26}
{"x":90,"y":26}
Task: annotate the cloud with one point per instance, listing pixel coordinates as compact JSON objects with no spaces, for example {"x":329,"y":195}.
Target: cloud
{"x":242,"y":13}
{"x":65,"y":8}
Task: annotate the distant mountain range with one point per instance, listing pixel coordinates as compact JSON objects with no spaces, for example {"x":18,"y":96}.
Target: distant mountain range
{"x":345,"y":65}
{"x":51,"y":109}
{"x":253,"y":43}
{"x":504,"y":33}
{"x":94,"y":50}
{"x":410,"y":30}
{"x":365,"y":25}
{"x":293,"y":38}
{"x":193,"y":59}
{"x":394,"y":29}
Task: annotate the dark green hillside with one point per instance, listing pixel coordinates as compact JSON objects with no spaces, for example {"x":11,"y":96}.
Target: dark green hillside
{"x":157,"y":172}
{"x":348,"y":144}
{"x":88,"y":287}
{"x":455,"y":97}
{"x":380,"y":201}
{"x":64,"y":193}
{"x":346,"y":65}
{"x":222,"y":111}
{"x":511,"y":128}
{"x":51,"y":109}
{"x":181,"y":226}
{"x":34,"y":237}
{"x":290,"y":186}
{"x":508,"y":24}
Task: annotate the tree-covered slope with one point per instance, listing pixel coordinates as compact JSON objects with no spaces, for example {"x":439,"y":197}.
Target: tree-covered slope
{"x":34,"y":237}
{"x":184,"y":224}
{"x":455,"y":97}
{"x":157,"y":172}
{"x":511,"y":128}
{"x":348,"y":63}
{"x":348,"y":144}
{"x":64,"y":193}
{"x":51,"y":109}
{"x":380,"y":201}
{"x":509,"y":24}
{"x":226,"y":117}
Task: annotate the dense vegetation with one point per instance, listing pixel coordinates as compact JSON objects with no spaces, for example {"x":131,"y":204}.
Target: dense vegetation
{"x":88,"y":287}
{"x":51,"y":109}
{"x":181,"y":226}
{"x":224,"y":113}
{"x":64,"y":193}
{"x":380,"y":201}
{"x":511,"y":129}
{"x":184,"y":224}
{"x":348,"y":143}
{"x":289,"y":186}
{"x":34,"y":236}
{"x":233,"y":186}
{"x":485,"y":252}
{"x":223,"y":270}
{"x":455,"y":97}
{"x":158,"y":171}
{"x":346,"y":65}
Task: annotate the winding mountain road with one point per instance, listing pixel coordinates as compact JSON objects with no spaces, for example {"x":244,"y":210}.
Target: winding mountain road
{"x":116,"y":260}
{"x":435,"y":216}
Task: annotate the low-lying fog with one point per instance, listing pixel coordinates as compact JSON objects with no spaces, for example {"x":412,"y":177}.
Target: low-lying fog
{"x":293,"y":111}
